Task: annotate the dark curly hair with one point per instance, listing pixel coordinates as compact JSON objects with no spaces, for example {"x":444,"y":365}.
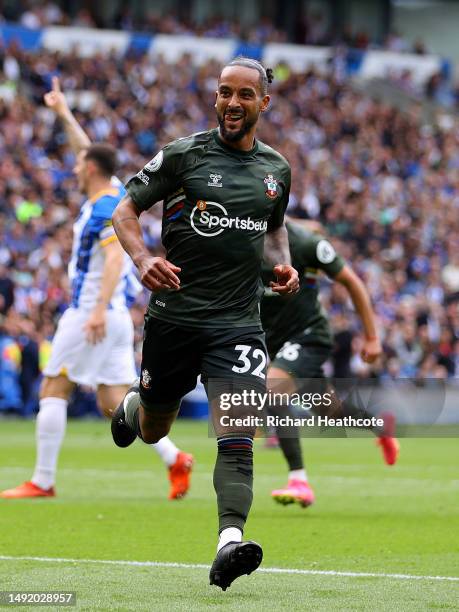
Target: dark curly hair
{"x":266,"y":74}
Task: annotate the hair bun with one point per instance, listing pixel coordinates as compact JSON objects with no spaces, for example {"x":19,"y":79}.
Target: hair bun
{"x":269,"y":75}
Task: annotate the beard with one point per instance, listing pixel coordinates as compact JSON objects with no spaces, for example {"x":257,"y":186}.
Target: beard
{"x":235,"y":136}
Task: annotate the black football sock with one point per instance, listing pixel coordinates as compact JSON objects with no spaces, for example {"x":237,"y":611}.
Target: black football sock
{"x":233,"y":480}
{"x":290,"y":447}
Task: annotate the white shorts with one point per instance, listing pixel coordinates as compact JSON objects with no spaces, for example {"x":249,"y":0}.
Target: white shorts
{"x":110,"y":362}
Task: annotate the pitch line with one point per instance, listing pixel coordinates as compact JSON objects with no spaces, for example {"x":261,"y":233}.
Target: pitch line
{"x":265,"y":570}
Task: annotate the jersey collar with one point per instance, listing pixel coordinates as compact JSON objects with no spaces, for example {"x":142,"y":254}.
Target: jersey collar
{"x":231,"y":150}
{"x":112,"y":191}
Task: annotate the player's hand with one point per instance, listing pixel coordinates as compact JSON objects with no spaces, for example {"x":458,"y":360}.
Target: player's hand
{"x":371,"y":350}
{"x":94,"y":327}
{"x":55,"y":99}
{"x":156,"y":273}
{"x":287,"y":280}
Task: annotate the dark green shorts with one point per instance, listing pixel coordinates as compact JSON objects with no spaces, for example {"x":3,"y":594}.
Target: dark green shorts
{"x":302,"y":360}
{"x":174,"y":356}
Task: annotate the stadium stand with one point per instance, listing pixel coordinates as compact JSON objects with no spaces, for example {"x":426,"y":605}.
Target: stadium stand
{"x":383,"y":184}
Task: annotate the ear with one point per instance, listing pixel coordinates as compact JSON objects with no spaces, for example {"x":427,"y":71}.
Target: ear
{"x":265,"y":103}
{"x":91,"y":166}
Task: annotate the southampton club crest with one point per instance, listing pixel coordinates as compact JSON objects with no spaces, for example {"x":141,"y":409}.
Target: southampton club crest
{"x":271,"y":186}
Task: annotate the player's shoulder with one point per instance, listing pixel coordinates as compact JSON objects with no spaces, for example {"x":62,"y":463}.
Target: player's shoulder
{"x":106,"y":201}
{"x":181,"y":153}
{"x":274,"y":156}
{"x":314,"y":247}
{"x":299,"y":234}
{"x":187,"y":143}
{"x":311,"y":242}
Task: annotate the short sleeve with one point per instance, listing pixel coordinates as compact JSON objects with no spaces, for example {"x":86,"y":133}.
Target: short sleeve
{"x":107,"y":234}
{"x":277,"y":216}
{"x":156,"y":180}
{"x":319,"y":253}
{"x":101,"y":219}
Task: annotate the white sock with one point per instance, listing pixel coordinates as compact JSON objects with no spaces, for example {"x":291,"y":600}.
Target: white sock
{"x":298,"y":475}
{"x":49,"y":433}
{"x":230,"y":534}
{"x":167,"y":450}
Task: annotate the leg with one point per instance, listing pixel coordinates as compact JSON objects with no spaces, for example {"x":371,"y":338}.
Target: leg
{"x":50,"y":431}
{"x":233,"y":483}
{"x":51,"y":422}
{"x":234,"y":356}
{"x":68,"y":349}
{"x":156,"y":425}
{"x":352,"y":406}
{"x":179,"y":464}
{"x":280,"y":381}
{"x":292,"y":363}
{"x":153,"y":427}
{"x":167,"y":374}
{"x":133,"y":419}
{"x":109,"y":397}
{"x":233,"y":476}
{"x":298,"y":489}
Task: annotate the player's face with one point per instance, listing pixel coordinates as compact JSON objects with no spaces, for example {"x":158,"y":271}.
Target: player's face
{"x":81,"y":171}
{"x":239,"y":102}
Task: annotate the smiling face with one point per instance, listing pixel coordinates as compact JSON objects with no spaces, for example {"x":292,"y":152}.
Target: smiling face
{"x":239,"y":102}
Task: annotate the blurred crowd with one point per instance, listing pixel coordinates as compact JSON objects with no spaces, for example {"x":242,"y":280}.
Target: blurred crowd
{"x":382,"y":185}
{"x":311,"y":27}
{"x":441,"y":88}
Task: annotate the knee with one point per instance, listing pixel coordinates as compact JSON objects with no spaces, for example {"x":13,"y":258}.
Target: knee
{"x":280,"y":381}
{"x":106,"y":403}
{"x":44,"y":388}
{"x":59,"y":387}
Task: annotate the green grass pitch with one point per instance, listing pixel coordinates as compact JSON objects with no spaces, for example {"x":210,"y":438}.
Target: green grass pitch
{"x":112,"y":505}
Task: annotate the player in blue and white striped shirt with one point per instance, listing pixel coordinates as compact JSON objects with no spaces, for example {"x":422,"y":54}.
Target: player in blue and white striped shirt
{"x":93,"y":344}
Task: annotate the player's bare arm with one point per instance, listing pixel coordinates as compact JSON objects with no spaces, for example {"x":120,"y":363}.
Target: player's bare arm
{"x":95,"y":326}
{"x":359,"y":295}
{"x":276,"y":250}
{"x":309,"y":225}
{"x":155,"y":273}
{"x":55,"y":100}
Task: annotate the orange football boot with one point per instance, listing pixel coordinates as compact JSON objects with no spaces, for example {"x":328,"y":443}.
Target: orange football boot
{"x":27,"y":489}
{"x":179,"y":475}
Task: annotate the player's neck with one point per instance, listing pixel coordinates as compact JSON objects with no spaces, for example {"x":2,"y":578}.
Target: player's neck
{"x":97,"y":184}
{"x":246,"y":143}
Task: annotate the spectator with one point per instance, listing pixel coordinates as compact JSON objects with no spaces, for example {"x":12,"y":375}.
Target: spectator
{"x":6,"y":291}
{"x":10,"y":364}
{"x":384,"y":187}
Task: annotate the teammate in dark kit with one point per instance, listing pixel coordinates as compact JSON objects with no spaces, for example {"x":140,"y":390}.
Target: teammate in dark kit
{"x":299,"y":341}
{"x":224,"y":196}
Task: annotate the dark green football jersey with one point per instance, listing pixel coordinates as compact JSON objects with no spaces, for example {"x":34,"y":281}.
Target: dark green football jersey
{"x":287,"y":317}
{"x":218,"y":204}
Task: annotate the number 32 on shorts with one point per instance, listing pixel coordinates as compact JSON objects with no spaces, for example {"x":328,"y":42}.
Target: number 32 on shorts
{"x":253,"y":360}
